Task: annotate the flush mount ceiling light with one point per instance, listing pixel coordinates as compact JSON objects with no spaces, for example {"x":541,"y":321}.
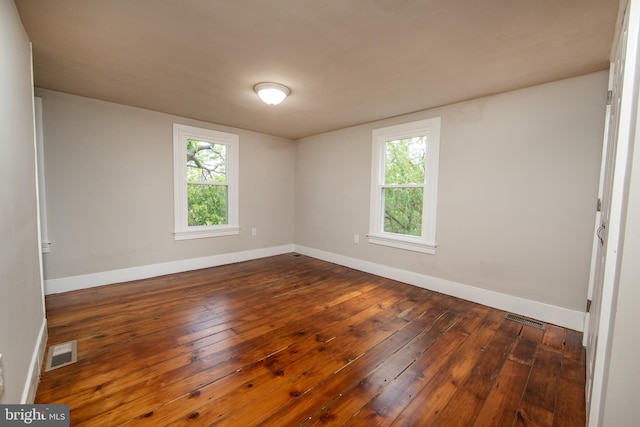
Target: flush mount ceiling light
{"x":272,"y":93}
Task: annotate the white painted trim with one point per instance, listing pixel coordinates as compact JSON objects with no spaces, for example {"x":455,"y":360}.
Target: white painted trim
{"x":182,"y":230}
{"x":426,"y":242}
{"x":33,"y":376}
{"x":66,"y":284}
{"x":203,"y":232}
{"x":403,"y":242}
{"x":42,"y":192}
{"x":538,"y":310}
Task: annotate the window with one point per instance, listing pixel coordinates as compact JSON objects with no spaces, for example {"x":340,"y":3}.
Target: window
{"x":404,"y":185}
{"x":205,"y":165}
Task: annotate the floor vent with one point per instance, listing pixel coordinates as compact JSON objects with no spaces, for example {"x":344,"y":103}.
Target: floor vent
{"x":295,"y":255}
{"x":525,"y":321}
{"x":62,"y":355}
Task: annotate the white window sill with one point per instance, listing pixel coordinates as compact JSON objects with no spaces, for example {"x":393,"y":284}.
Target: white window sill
{"x":203,"y":232}
{"x":403,"y":242}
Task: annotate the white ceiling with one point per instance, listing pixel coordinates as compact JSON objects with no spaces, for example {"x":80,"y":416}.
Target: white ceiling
{"x":346,"y":61}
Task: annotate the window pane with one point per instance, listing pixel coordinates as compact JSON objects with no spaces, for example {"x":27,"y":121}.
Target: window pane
{"x":206,"y":162}
{"x":405,"y":161}
{"x":207,"y":204}
{"x":403,"y":210}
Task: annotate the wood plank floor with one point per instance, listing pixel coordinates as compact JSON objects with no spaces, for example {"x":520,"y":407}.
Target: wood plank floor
{"x":288,"y":341}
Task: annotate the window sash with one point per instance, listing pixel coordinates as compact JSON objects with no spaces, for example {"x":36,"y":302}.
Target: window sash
{"x":182,"y":229}
{"x":389,"y":146}
{"x":201,"y":158}
{"x":425,"y":242}
{"x":401,"y":185}
{"x":220,"y":207}
{"x":401,"y":213}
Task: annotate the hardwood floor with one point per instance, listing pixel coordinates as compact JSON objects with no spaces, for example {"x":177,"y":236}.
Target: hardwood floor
{"x":287,"y":341}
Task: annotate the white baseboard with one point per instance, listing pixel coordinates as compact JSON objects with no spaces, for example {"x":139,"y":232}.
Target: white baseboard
{"x":66,"y":284}
{"x":33,"y":377}
{"x":545,"y":312}
{"x":560,"y":316}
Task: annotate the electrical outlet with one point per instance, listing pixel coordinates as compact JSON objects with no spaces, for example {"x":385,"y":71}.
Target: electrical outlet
{"x":356,"y":238}
{"x":1,"y":376}
{"x":254,"y":231}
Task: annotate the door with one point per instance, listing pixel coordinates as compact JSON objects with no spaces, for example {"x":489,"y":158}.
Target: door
{"x":614,"y":192}
{"x":602,"y":222}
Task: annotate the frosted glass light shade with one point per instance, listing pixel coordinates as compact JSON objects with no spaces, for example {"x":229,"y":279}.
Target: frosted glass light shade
{"x":272,"y":93}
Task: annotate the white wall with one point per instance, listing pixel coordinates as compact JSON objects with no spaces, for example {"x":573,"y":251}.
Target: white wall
{"x":21,"y":299}
{"x":110,"y":188}
{"x":517,"y":191}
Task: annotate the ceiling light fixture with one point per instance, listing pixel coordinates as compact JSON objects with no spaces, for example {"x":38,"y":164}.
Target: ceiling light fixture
{"x":272,"y":93}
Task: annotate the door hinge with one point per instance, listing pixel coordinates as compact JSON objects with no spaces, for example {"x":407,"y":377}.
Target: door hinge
{"x":609,"y":97}
{"x":599,"y":205}
{"x":588,"y":306}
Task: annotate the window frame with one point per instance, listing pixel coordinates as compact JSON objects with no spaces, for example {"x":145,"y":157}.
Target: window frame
{"x":426,"y":242}
{"x":182,"y":229}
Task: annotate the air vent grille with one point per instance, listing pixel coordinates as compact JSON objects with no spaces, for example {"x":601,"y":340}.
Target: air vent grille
{"x":62,"y":355}
{"x":525,"y":321}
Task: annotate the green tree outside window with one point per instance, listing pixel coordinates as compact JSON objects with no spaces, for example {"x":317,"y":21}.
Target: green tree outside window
{"x":403,"y":189}
{"x":207,"y":187}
